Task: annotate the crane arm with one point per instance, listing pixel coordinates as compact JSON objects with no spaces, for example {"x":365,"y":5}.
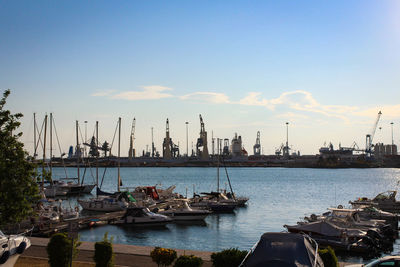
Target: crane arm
{"x":375,"y":125}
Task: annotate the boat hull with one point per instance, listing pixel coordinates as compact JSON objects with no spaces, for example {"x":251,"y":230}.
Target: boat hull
{"x":100,"y":206}
{"x":186,"y":216}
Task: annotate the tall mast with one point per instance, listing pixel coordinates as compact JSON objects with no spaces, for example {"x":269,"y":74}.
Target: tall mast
{"x":44,"y":151}
{"x":119,"y":150}
{"x":218,"y":173}
{"x":97,"y":155}
{"x":34,"y":136}
{"x":51,"y":141}
{"x":78,"y":152}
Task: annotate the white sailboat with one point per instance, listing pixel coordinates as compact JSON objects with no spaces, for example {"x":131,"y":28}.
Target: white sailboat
{"x":218,"y":201}
{"x":108,"y":202}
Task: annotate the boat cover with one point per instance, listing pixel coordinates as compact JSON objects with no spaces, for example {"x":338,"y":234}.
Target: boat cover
{"x":324,"y":228}
{"x":283,"y":250}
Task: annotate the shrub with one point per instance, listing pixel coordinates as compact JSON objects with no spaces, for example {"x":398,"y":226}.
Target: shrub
{"x":228,"y":257}
{"x":328,"y":256}
{"x":59,"y":250}
{"x":163,"y":256}
{"x":103,"y":252}
{"x":188,"y":261}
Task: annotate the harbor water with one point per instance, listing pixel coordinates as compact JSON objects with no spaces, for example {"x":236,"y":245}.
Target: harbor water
{"x":278,"y":196}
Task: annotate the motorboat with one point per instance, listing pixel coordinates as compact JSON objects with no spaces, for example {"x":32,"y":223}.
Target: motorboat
{"x":179,"y":210}
{"x":328,"y":234}
{"x":12,"y":246}
{"x":283,"y":249}
{"x":385,"y":201}
{"x":142,"y":216}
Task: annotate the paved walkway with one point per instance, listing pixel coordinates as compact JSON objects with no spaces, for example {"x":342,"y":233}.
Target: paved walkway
{"x":125,"y":255}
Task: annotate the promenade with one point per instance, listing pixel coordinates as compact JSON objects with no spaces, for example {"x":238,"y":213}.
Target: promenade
{"x":125,"y":255}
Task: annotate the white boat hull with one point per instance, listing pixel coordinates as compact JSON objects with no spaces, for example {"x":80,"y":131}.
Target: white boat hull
{"x":185,"y":216}
{"x":103,"y":206}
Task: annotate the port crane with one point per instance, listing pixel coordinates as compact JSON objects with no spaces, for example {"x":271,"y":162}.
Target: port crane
{"x":257,"y":146}
{"x":131,"y":152}
{"x":170,"y":150}
{"x":370,"y":137}
{"x":202,"y":142}
{"x":167,"y":143}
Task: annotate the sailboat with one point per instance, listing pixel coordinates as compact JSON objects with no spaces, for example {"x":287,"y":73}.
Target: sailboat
{"x":216,"y":201}
{"x":108,"y":202}
{"x":60,"y":187}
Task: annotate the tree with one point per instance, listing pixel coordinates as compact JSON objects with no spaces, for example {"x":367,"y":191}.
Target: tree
{"x":18,"y":187}
{"x":61,"y":250}
{"x":103,"y":252}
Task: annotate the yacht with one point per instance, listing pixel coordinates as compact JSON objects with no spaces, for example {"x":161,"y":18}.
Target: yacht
{"x":179,"y":210}
{"x":12,"y":246}
{"x":142,"y":216}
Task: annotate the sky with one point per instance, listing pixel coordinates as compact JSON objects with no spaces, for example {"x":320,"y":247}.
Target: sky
{"x":326,"y":67}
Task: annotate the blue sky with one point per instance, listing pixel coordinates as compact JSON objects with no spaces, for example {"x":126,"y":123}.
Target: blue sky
{"x":325,"y":67}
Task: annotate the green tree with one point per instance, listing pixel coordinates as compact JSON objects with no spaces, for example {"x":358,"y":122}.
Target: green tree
{"x":103,"y":252}
{"x":59,"y":250}
{"x":18,"y":188}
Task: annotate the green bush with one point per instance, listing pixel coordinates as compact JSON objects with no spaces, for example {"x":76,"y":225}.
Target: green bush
{"x":228,"y":257}
{"x":163,"y":256}
{"x":103,"y":252}
{"x":188,"y":261}
{"x":328,"y":256}
{"x":59,"y":250}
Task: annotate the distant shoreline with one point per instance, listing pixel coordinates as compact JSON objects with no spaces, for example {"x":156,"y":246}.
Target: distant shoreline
{"x":307,"y":161}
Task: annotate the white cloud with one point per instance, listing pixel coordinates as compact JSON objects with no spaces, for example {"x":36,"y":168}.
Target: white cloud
{"x":148,"y":92}
{"x":216,"y":98}
{"x":103,"y":93}
{"x":253,"y":99}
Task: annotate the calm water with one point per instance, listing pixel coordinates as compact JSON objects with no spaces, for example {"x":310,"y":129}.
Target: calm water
{"x":278,"y":196}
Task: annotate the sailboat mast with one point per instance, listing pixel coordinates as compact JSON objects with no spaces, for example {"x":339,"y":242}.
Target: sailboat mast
{"x":34,"y":136}
{"x":51,"y":141}
{"x":119,"y":150}
{"x":97,"y":156}
{"x":44,"y":152}
{"x":218,"y":173}
{"x":229,"y":181}
{"x":78,"y":152}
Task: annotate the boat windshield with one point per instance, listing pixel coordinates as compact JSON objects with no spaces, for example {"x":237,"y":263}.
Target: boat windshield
{"x":386,"y":195}
{"x":374,"y":263}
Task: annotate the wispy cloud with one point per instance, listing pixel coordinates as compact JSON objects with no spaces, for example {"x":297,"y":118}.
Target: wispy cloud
{"x":103,"y":93}
{"x":255,"y":99}
{"x":148,"y":93}
{"x":296,"y":101}
{"x":389,"y":111}
{"x":216,"y":98}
